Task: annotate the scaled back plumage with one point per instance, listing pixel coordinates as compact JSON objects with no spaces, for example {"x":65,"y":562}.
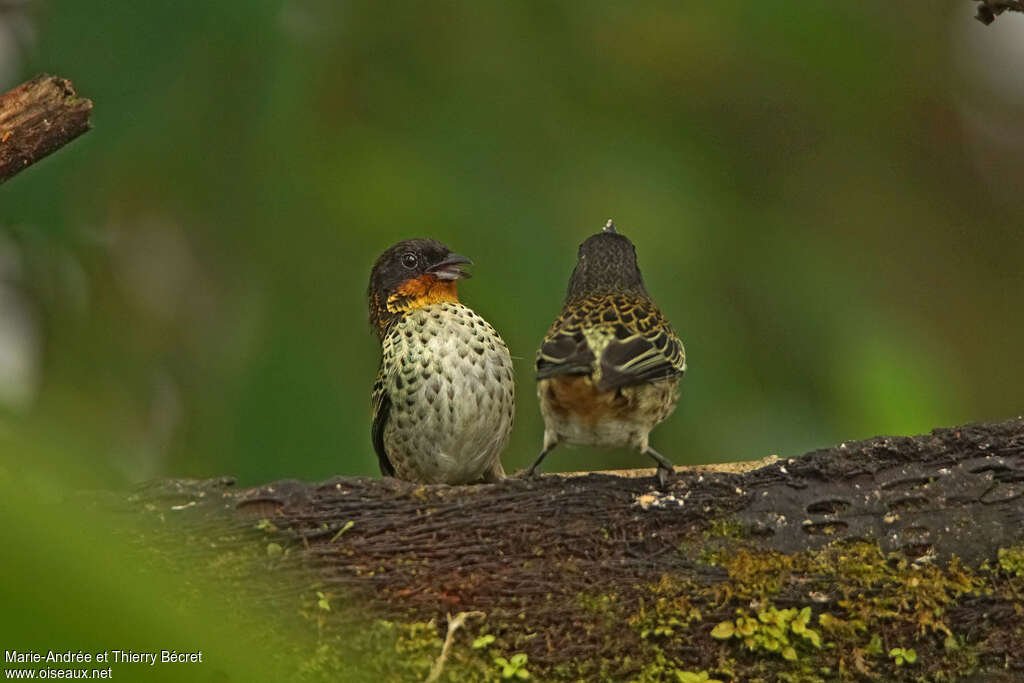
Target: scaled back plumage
{"x":609,"y":327}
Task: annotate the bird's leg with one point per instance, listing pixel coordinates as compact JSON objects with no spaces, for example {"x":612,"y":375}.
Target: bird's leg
{"x":532,"y":472}
{"x":550,"y":441}
{"x":665,"y":467}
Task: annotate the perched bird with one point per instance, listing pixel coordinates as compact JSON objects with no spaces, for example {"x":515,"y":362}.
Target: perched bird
{"x":608,"y":370}
{"x":444,"y":396}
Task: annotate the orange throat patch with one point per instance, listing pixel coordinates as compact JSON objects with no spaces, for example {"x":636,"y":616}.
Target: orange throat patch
{"x":422,"y":291}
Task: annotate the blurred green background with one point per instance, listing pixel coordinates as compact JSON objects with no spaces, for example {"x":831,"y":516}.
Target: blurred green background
{"x":825,"y":199}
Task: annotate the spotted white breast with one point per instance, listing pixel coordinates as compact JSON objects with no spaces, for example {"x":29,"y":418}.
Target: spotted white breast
{"x":449,"y":379}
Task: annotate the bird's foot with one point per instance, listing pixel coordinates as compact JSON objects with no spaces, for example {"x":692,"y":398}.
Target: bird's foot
{"x":530,"y":473}
{"x":534,"y":471}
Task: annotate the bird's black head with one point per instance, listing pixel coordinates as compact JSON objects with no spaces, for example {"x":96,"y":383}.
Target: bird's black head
{"x":606,"y":264}
{"x":411,"y":274}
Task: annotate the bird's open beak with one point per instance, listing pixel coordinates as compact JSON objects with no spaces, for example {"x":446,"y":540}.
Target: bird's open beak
{"x":450,"y":268}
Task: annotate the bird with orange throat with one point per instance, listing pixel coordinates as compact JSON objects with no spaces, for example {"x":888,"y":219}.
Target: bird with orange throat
{"x":444,"y":400}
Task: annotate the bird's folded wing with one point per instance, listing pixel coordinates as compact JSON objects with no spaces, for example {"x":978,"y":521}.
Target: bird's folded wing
{"x":635,"y":357}
{"x":564,"y":352}
{"x":634,"y":341}
{"x":381,"y":412}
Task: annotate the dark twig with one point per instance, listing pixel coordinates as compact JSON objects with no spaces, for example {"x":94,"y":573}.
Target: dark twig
{"x":988,"y":10}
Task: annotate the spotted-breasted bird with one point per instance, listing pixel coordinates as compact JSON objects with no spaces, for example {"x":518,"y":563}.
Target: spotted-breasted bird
{"x":444,"y":397}
{"x":608,"y":370}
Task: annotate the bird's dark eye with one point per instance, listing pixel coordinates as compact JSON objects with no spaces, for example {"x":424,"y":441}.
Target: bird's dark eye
{"x":409,"y":259}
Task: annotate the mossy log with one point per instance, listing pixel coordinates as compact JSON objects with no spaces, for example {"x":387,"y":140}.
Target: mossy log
{"x":37,"y":118}
{"x":885,"y":559}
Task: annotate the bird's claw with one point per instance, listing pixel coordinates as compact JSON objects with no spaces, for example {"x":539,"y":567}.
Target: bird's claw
{"x":664,"y":475}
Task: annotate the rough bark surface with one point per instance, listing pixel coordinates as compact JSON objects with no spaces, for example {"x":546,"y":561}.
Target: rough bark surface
{"x":908,"y":542}
{"x":36,"y":118}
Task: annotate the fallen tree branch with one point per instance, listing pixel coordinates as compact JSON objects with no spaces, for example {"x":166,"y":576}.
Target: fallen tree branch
{"x":36,"y":118}
{"x":833,"y":565}
{"x":454,"y":624}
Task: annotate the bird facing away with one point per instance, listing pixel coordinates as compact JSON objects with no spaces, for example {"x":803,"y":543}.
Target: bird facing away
{"x":444,"y":397}
{"x":608,"y":370}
